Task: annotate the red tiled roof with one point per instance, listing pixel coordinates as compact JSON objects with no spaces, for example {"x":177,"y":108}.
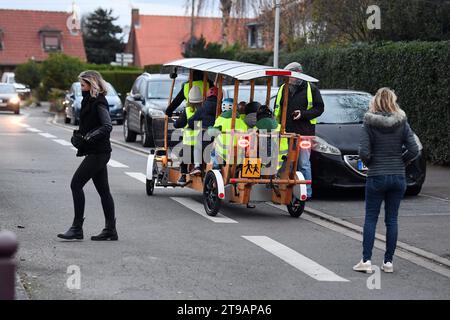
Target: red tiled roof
{"x":21,"y":38}
{"x":160,"y":39}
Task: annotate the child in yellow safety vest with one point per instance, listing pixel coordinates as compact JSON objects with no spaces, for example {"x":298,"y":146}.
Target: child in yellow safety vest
{"x":223,"y":139}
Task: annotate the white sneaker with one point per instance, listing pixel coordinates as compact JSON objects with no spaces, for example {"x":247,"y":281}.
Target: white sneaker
{"x":364,"y":266}
{"x":387,"y":267}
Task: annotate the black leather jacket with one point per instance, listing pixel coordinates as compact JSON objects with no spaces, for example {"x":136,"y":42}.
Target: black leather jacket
{"x":95,"y":126}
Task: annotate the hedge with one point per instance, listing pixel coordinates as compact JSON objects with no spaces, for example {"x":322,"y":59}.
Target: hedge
{"x":419,"y":72}
{"x":122,"y":81}
{"x":153,"y":68}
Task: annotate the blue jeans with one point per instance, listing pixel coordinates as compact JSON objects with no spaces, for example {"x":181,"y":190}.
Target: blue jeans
{"x":390,"y":189}
{"x":304,"y":166}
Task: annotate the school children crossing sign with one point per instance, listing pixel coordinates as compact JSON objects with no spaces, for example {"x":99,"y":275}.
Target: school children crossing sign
{"x":251,"y":168}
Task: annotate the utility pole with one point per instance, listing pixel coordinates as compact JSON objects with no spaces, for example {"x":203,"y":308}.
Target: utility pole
{"x":276,"y":44}
{"x":192,"y":20}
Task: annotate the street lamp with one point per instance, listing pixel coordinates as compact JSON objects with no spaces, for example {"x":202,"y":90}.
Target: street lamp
{"x":276,"y":46}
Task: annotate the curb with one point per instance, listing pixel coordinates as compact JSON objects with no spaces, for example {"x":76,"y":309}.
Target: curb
{"x":21,"y":293}
{"x":406,"y":247}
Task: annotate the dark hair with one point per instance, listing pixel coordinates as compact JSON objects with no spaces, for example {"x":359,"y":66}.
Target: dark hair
{"x":252,"y":107}
{"x":263,"y":112}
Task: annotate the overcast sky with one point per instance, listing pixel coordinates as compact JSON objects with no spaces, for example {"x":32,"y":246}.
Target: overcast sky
{"x":121,"y":8}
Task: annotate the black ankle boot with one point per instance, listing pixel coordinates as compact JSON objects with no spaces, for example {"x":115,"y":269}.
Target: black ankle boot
{"x":75,"y":232}
{"x":109,"y":233}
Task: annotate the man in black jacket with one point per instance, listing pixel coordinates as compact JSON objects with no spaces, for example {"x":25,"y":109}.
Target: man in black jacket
{"x":305,"y":104}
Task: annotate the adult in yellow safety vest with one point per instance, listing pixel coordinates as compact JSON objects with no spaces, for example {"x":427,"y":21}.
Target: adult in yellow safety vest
{"x":190,"y":136}
{"x":223,"y":140}
{"x":305,"y":104}
{"x":183,"y":94}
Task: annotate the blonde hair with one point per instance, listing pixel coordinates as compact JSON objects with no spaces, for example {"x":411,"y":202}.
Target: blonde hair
{"x":385,"y":100}
{"x":95,"y":79}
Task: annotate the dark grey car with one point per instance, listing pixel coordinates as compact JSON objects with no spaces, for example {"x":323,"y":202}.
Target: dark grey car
{"x":72,"y":103}
{"x":145,"y":107}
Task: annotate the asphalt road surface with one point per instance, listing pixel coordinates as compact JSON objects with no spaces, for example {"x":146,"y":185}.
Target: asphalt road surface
{"x":169,"y":249}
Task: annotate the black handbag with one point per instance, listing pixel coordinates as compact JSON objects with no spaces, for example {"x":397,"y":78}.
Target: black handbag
{"x":77,"y":139}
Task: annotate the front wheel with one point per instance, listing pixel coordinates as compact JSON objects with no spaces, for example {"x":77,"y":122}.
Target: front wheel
{"x":17,"y":111}
{"x":211,"y":200}
{"x":150,"y":184}
{"x":413,"y":191}
{"x":296,"y":207}
{"x":147,"y":136}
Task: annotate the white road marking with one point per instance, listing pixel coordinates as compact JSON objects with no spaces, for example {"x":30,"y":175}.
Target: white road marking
{"x":198,"y":208}
{"x":62,"y":142}
{"x":33,"y":130}
{"x":116,"y":164}
{"x":23,"y":125}
{"x":295,"y":259}
{"x":433,"y":197}
{"x":47,"y":135}
{"x":138,"y":176}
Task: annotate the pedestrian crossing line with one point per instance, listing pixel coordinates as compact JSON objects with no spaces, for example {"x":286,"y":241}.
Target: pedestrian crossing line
{"x":295,"y":259}
{"x":116,"y":164}
{"x":33,"y":129}
{"x":62,"y":142}
{"x":198,"y":208}
{"x":47,"y":135}
{"x":23,"y":125}
{"x":138,"y":176}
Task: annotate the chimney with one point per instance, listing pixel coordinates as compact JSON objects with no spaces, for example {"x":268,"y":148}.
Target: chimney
{"x":135,"y":18}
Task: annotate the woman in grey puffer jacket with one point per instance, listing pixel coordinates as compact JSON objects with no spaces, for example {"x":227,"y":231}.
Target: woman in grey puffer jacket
{"x":384,"y":133}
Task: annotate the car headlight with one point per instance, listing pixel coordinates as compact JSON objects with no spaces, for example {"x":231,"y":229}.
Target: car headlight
{"x":14,"y":100}
{"x":418,"y":142}
{"x":156,"y":113}
{"x":320,"y":145}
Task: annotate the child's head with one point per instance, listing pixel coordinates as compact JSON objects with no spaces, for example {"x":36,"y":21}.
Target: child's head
{"x":227,"y":104}
{"x":195,"y":98}
{"x":263,"y":112}
{"x":241,"y":107}
{"x":252,"y":107}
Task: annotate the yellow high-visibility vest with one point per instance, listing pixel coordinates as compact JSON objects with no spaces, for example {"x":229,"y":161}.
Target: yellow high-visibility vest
{"x":198,"y":83}
{"x":278,"y":106}
{"x":189,"y":135}
{"x":222,"y":142}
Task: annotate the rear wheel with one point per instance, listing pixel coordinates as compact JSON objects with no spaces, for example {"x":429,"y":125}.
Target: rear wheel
{"x":211,"y":200}
{"x":66,"y":120}
{"x":120,"y":122}
{"x":147,"y":136}
{"x":296,"y":207}
{"x":129,"y":136}
{"x":17,"y":111}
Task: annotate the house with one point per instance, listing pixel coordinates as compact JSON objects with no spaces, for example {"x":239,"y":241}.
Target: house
{"x":158,"y":39}
{"x":30,"y":34}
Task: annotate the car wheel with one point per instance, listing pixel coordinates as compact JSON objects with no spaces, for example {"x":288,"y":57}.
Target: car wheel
{"x":17,"y":111}
{"x":120,"y":122}
{"x":147,"y":136}
{"x":414,"y":190}
{"x":296,"y":207}
{"x":150,"y":184}
{"x":66,"y":120}
{"x":129,"y":136}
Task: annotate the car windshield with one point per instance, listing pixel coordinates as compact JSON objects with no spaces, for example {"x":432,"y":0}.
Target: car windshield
{"x":7,"y":88}
{"x":260,"y":95}
{"x":344,"y":108}
{"x":161,"y":89}
{"x":110,"y":89}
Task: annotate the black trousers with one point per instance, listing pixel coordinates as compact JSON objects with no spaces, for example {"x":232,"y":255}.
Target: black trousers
{"x":94,"y":166}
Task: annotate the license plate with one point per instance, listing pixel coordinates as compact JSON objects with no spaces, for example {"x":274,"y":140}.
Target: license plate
{"x":251,"y":168}
{"x":3,"y":104}
{"x":361,"y":166}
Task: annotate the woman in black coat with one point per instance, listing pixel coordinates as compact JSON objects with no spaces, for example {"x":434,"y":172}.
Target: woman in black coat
{"x":92,"y":142}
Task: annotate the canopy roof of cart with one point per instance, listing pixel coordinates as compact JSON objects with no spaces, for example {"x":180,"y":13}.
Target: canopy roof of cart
{"x":237,"y":70}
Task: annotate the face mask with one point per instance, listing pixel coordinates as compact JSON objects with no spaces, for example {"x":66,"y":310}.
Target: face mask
{"x":85,"y":94}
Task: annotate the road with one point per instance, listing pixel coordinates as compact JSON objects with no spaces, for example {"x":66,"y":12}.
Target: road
{"x":168,"y":248}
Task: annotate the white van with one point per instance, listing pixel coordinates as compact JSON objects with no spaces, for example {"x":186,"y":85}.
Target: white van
{"x":9,"y":77}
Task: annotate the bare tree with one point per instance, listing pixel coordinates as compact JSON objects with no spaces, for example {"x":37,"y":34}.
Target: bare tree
{"x":228,"y":8}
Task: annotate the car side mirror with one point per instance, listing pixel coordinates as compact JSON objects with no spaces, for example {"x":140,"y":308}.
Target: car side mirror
{"x":138,"y":97}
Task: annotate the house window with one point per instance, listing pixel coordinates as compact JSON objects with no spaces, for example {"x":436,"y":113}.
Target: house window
{"x":255,"y":37}
{"x":51,"y":43}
